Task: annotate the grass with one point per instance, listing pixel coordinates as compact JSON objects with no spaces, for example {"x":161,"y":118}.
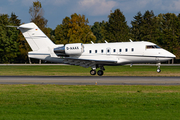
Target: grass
{"x":36,"y":102}
{"x":123,"y":102}
{"x":80,"y":71}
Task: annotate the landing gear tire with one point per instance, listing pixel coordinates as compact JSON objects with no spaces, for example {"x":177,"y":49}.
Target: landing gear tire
{"x":100,"y":72}
{"x":158,"y":70}
{"x":93,"y":72}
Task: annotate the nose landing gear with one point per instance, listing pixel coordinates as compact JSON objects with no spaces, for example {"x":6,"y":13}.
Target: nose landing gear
{"x":158,"y":69}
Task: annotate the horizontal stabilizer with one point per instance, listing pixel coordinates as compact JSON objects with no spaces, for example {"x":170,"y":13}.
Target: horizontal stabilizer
{"x":12,"y":26}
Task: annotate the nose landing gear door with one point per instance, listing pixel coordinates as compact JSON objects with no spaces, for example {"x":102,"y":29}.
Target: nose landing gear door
{"x":157,"y":59}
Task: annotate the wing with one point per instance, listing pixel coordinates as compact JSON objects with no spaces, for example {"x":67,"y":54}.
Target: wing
{"x":90,"y":62}
{"x":86,"y":63}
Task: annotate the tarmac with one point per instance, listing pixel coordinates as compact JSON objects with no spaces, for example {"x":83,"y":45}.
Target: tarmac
{"x":90,"y":80}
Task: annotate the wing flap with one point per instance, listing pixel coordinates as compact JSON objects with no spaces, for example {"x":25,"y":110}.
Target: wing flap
{"x":86,"y":62}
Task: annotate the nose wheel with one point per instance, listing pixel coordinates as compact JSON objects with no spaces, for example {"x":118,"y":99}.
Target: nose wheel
{"x":158,"y":70}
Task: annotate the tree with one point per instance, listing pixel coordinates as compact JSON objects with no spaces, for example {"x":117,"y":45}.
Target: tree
{"x":36,"y":11}
{"x":51,"y":34}
{"x":116,"y":29}
{"x":8,"y":37}
{"x":145,"y":27}
{"x":23,"y":46}
{"x":74,"y":30}
{"x":14,"y":20}
{"x":149,"y":27}
{"x":170,"y":32}
{"x":136,"y":27}
{"x":178,"y":37}
{"x":97,"y":31}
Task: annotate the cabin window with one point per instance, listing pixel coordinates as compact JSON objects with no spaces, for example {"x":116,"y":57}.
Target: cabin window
{"x":89,"y":51}
{"x":132,"y":49}
{"x":126,"y":50}
{"x":102,"y":51}
{"x":95,"y":51}
{"x":120,"y":50}
{"x":108,"y":50}
{"x":114,"y":50}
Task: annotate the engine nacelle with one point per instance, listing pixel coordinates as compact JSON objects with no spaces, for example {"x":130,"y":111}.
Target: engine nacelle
{"x":74,"y":49}
{"x":70,"y":49}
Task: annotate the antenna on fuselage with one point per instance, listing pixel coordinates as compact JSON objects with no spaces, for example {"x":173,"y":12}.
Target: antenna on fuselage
{"x":130,"y":40}
{"x":105,"y":41}
{"x":92,"y":42}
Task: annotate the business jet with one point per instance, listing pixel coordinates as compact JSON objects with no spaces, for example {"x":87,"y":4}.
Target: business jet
{"x":92,"y":55}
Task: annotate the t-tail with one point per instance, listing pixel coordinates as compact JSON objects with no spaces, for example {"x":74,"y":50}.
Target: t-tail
{"x":42,"y":47}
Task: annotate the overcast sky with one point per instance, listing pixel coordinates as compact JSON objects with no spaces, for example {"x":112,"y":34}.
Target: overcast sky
{"x":94,"y":10}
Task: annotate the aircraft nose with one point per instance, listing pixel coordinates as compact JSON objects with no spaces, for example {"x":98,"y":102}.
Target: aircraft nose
{"x":170,"y":55}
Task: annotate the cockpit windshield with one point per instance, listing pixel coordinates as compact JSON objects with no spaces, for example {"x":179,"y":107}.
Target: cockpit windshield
{"x":152,"y":47}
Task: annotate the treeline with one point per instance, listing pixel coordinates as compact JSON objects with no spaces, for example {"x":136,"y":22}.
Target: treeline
{"x":162,"y":29}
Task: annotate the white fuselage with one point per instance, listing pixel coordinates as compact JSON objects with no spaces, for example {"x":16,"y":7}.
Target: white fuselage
{"x":91,"y":54}
{"x":116,"y":53}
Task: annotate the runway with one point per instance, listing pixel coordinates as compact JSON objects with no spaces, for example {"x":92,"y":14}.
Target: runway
{"x":90,"y":80}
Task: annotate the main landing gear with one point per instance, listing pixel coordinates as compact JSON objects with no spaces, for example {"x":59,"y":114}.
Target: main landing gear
{"x":93,"y":72}
{"x":99,"y":72}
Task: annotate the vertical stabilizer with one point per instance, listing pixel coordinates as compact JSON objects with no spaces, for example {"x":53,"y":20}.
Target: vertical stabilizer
{"x":37,"y":40}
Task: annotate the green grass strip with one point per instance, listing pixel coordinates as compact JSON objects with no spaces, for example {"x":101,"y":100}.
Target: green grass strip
{"x":80,"y":71}
{"x":51,"y":102}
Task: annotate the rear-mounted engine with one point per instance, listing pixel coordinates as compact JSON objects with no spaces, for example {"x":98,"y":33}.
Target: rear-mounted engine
{"x":69,"y":49}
